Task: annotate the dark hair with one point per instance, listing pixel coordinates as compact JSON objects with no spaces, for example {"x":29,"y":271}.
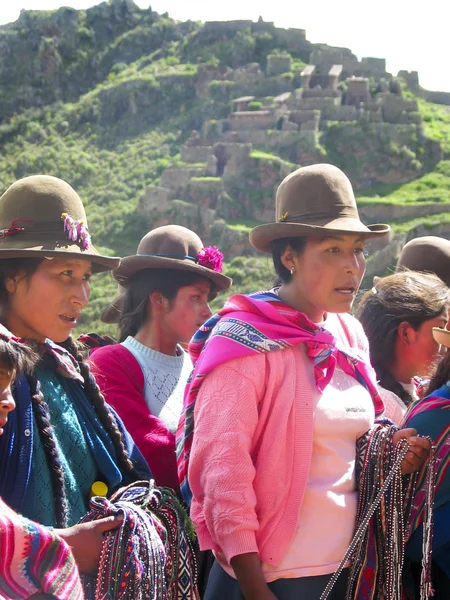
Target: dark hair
{"x":406,"y":296}
{"x":298,"y":244}
{"x":41,"y":411}
{"x":10,"y":268}
{"x":143,"y":283}
{"x":441,"y":374}
{"x":17,"y":357}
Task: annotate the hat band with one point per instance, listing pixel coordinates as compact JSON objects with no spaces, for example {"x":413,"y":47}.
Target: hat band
{"x":177,"y":256}
{"x":76,"y":230}
{"x":325,"y":215}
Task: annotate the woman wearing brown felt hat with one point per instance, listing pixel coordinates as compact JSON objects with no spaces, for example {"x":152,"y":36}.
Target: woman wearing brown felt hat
{"x":62,"y":437}
{"x":281,"y":392}
{"x":164,"y":293}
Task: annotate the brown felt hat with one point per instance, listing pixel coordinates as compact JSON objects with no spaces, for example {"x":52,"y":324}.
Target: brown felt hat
{"x":172,"y":247}
{"x":430,"y":254}
{"x":442,"y":336}
{"x":36,"y":214}
{"x":315,"y":200}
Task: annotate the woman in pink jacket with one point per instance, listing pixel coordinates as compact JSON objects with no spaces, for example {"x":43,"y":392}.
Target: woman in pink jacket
{"x":280,"y":395}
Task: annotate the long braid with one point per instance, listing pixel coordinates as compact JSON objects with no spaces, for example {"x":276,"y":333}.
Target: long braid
{"x":106,"y":417}
{"x":42,"y":418}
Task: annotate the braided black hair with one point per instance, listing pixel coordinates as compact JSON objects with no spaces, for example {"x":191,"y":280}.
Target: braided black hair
{"x":42,"y":418}
{"x":105,"y":416}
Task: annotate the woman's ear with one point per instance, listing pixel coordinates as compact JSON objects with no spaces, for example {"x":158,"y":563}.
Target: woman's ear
{"x":406,"y":333}
{"x":10,"y":284}
{"x":287,"y":257}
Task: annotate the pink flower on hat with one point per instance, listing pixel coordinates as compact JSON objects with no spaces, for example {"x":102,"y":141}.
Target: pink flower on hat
{"x":70,"y":227}
{"x":76,"y":231}
{"x":84,"y":235}
{"x":211,"y":258}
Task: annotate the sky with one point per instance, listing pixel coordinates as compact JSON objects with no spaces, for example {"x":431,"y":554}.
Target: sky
{"x":411,"y":35}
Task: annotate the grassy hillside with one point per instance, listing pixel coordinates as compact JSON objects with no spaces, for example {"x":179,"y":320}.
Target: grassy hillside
{"x":105,"y":98}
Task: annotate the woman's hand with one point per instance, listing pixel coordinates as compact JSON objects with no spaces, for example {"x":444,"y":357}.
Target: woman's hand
{"x":250,"y":576}
{"x":419,"y":448}
{"x":85,"y":540}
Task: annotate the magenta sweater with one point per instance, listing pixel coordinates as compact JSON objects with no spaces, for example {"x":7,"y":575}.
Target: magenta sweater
{"x":121,"y":380}
{"x":246,"y":497}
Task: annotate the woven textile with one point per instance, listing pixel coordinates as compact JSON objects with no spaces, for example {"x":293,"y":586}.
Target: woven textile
{"x":151,"y":556}
{"x":33,"y":559}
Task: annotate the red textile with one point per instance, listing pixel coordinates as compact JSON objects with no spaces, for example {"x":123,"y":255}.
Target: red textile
{"x":121,"y":381}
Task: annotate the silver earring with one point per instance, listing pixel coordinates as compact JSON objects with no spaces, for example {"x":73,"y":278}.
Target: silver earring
{"x":292,"y":270}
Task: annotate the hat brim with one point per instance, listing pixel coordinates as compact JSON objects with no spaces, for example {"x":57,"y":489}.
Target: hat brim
{"x":262,"y":236}
{"x":132,"y":264}
{"x":442,"y":336}
{"x":99,"y":262}
{"x":112,"y":313}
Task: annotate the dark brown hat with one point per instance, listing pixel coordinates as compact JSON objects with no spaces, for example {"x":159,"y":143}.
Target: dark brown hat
{"x":178,"y":248}
{"x":430,"y":254}
{"x":315,"y":200}
{"x":44,"y":216}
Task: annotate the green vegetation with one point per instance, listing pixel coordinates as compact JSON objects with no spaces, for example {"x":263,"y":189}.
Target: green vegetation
{"x":106,"y":97}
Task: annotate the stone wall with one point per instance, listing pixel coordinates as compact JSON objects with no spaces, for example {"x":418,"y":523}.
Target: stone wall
{"x":258,"y":119}
{"x":278,"y":64}
{"x":384,"y":213}
{"x":155,"y":199}
{"x":175,"y":178}
{"x":195,"y":154}
{"x":339,"y":113}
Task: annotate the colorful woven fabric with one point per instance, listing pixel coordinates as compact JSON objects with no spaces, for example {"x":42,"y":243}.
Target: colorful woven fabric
{"x":259,"y":323}
{"x":431,"y":416}
{"x":151,"y":556}
{"x":33,"y":559}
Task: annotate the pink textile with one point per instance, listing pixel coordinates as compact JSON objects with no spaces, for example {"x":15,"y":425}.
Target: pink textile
{"x":254,"y":324}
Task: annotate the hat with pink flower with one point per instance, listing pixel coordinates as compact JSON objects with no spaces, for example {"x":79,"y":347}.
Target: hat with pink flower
{"x":44,"y":216}
{"x":178,"y":248}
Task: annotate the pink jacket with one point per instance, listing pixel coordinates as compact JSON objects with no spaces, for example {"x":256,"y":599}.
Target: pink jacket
{"x":252,"y":449}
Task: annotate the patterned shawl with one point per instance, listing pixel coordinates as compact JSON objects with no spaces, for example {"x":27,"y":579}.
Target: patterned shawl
{"x":431,"y":416}
{"x":260,"y":323}
{"x":33,"y":559}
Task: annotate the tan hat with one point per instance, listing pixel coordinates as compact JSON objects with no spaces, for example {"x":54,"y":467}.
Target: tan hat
{"x":174,"y":247}
{"x":44,"y":216}
{"x":430,"y":254}
{"x":442,"y":336}
{"x":315,"y":200}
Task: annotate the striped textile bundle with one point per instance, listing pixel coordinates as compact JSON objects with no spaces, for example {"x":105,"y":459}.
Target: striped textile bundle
{"x":33,"y":559}
{"x":151,"y":555}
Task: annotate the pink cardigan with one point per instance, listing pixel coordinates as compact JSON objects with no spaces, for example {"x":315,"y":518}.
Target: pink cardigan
{"x":121,"y":381}
{"x":246,"y":495}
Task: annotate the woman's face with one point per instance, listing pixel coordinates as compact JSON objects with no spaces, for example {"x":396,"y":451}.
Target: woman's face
{"x":7,"y":403}
{"x":422,"y":349}
{"x":187,"y":312}
{"x":327,"y":275}
{"x":48,"y":303}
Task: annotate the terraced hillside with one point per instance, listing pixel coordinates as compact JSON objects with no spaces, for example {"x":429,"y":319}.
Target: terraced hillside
{"x":156,"y":121}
